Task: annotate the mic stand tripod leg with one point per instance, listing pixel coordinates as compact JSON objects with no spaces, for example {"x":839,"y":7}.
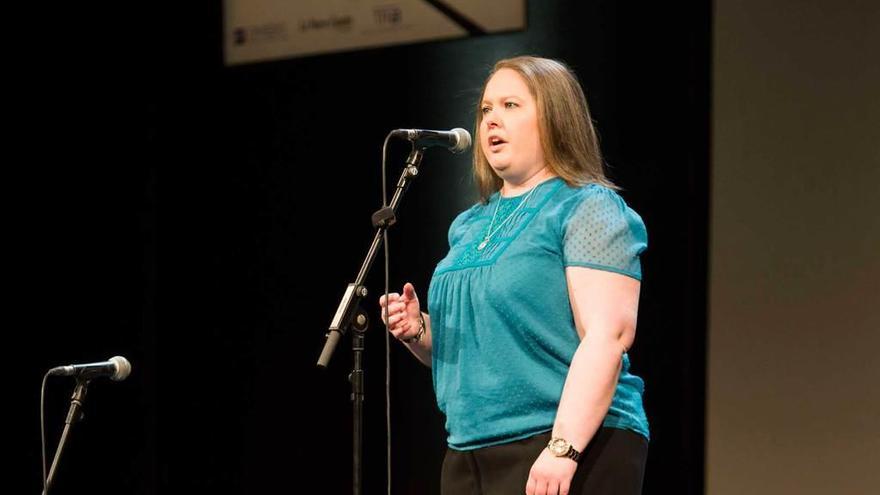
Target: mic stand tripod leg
{"x":74,"y":415}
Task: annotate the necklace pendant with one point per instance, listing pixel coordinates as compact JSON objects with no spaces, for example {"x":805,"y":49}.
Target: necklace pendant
{"x":482,"y":245}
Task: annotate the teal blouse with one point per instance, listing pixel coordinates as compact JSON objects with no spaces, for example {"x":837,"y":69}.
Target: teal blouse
{"x":503,"y":333}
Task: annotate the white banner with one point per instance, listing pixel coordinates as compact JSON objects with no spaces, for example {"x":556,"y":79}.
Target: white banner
{"x":260,"y":30}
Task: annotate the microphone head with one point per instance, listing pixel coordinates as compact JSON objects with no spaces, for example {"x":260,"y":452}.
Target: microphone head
{"x":123,"y":368}
{"x":463,"y":142}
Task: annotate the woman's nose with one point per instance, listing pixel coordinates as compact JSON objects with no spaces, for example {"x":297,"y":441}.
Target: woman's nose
{"x":491,"y":119}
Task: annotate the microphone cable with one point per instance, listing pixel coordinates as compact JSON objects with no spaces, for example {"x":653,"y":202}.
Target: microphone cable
{"x":43,"y":430}
{"x":385,"y":320}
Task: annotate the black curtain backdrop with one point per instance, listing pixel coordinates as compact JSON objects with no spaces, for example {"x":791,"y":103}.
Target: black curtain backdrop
{"x":203,"y":221}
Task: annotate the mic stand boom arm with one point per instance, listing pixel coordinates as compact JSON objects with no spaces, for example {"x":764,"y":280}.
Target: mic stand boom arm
{"x":349,"y":314}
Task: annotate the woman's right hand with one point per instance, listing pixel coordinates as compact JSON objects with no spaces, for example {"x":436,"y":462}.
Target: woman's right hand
{"x":404,"y":313}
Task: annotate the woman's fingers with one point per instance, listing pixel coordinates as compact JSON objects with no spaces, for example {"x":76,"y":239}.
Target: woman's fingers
{"x":391,"y":306}
{"x":542,"y":488}
{"x":391,"y":297}
{"x":401,"y":331}
{"x":399,"y":320}
{"x":409,"y":292}
{"x":396,"y":308}
{"x":396,"y":311}
{"x":564,"y":487}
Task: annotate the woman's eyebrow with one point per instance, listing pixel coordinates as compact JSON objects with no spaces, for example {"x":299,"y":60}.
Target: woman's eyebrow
{"x":502,"y":98}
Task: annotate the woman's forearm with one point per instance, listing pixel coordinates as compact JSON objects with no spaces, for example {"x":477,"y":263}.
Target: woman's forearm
{"x":589,"y":389}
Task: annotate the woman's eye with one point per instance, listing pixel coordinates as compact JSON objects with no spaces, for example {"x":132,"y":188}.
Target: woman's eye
{"x":485,"y":110}
{"x":510,"y":104}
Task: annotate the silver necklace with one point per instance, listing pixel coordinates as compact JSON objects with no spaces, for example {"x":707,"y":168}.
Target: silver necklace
{"x":489,"y":231}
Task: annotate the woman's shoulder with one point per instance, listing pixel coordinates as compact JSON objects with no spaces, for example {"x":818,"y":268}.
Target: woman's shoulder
{"x":468,"y":213}
{"x":591,"y":189}
{"x":574,"y":197}
{"x":462,"y":220}
{"x":596,"y":203}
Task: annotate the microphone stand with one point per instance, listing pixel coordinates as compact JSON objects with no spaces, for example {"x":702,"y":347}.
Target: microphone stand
{"x":74,"y":415}
{"x":350,"y":314}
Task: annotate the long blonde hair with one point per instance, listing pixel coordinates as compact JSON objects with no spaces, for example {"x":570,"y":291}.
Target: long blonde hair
{"x":568,"y":139}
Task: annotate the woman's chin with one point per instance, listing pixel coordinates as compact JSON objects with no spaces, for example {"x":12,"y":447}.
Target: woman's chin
{"x":501,"y":170}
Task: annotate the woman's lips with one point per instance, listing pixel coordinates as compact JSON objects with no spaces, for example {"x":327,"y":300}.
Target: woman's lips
{"x":496,"y":144}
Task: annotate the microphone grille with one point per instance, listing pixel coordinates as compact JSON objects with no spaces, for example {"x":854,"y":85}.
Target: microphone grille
{"x":464,"y":140}
{"x":123,"y":368}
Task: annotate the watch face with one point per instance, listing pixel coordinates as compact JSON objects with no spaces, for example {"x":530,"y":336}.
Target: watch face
{"x":558,"y":446}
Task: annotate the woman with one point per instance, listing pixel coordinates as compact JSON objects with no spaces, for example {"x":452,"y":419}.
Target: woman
{"x":534,"y":307}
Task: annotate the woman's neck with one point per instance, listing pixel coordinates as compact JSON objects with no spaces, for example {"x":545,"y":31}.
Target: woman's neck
{"x":510,"y":188}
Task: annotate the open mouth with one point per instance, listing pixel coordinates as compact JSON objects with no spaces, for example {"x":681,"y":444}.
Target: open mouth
{"x":496,"y":142}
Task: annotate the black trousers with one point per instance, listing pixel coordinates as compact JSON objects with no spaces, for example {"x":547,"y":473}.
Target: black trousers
{"x":612,"y":464}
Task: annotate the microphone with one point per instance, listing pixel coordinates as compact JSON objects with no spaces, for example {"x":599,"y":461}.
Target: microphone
{"x":456,"y":140}
{"x":117,"y":368}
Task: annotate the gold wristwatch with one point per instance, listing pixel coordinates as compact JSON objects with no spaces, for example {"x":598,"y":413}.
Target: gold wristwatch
{"x":561,"y":448}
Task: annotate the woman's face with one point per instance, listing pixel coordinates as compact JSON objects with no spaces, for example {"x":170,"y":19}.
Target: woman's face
{"x":509,"y":135}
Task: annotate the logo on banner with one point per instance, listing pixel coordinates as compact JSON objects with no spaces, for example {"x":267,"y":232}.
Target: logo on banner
{"x":388,"y":15}
{"x":263,"y":33}
{"x":336,"y":22}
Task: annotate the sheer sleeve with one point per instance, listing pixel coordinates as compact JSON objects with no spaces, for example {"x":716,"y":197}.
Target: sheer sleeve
{"x":602,"y":232}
